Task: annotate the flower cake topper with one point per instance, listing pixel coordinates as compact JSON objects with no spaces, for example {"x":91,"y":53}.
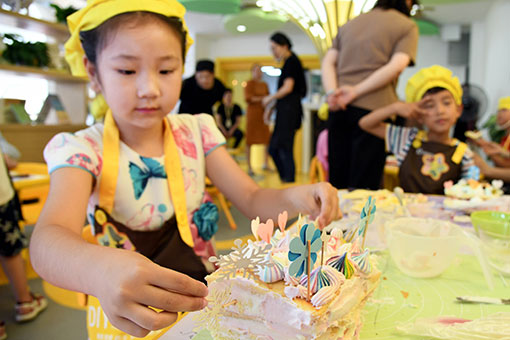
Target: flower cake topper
{"x":299,"y":250}
{"x":367,"y":217}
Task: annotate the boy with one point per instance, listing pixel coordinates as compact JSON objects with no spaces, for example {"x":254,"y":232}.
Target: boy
{"x":427,"y":158}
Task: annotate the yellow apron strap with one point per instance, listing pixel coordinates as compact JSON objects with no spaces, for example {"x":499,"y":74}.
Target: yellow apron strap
{"x":109,"y":173}
{"x":459,"y":153}
{"x":175,"y":180}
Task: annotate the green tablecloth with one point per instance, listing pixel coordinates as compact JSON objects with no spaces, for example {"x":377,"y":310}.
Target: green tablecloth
{"x":402,"y":298}
{"x":428,"y":297}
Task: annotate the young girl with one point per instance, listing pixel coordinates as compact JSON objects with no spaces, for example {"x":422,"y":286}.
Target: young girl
{"x":139,"y":177}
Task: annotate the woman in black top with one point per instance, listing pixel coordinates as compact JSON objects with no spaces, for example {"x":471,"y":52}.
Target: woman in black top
{"x":291,"y":88}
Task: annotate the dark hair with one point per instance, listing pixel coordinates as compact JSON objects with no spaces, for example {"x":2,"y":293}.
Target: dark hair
{"x":95,"y":39}
{"x":434,"y":90}
{"x":205,"y":65}
{"x":281,"y":39}
{"x":399,"y":5}
{"x":227,"y":89}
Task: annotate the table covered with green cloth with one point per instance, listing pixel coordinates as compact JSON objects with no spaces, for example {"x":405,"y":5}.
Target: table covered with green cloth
{"x":400,"y":298}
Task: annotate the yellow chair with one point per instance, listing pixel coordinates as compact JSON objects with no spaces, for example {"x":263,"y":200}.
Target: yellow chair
{"x":33,"y":195}
{"x":317,"y":173}
{"x":224,"y":205}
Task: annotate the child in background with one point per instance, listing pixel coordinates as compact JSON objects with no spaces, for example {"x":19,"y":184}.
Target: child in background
{"x":427,"y":158}
{"x":139,"y":178}
{"x":495,"y":151}
{"x":12,"y":241}
{"x":228,"y":118}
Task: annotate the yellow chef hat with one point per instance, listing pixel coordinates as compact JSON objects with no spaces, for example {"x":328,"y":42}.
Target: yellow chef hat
{"x":98,"y":11}
{"x":430,"y":77}
{"x":504,"y":103}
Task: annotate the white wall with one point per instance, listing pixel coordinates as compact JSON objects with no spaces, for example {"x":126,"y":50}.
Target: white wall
{"x":248,"y":45}
{"x":495,"y":44}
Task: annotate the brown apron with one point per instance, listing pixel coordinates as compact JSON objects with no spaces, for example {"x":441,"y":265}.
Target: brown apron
{"x":428,"y":165}
{"x":163,"y":246}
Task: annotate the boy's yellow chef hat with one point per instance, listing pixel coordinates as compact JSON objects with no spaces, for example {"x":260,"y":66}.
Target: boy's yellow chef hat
{"x":98,"y":11}
{"x":430,"y":77}
{"x":504,"y":103}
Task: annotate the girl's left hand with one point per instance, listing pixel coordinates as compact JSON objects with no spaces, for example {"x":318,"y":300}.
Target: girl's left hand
{"x":319,"y":200}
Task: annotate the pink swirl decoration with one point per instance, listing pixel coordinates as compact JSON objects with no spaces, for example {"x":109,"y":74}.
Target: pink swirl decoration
{"x":362,"y":261}
{"x":322,"y":276}
{"x":272,"y":273}
{"x":289,"y":279}
{"x":324,"y":296}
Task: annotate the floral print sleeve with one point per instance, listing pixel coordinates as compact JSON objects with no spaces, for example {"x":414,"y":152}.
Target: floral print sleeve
{"x":211,"y":135}
{"x":81,"y":150}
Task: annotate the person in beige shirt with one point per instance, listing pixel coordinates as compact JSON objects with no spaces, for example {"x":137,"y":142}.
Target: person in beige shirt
{"x":359,"y":74}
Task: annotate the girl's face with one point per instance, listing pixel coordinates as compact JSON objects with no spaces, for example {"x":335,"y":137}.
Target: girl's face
{"x":139,"y":73}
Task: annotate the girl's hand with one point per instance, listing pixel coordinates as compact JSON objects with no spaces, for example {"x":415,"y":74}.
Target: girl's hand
{"x":318,"y":200}
{"x":479,"y":162}
{"x":493,"y":149}
{"x":129,"y":283}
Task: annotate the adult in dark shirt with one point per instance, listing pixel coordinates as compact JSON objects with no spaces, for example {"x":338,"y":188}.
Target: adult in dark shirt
{"x":201,"y":91}
{"x":228,"y":118}
{"x":291,"y":88}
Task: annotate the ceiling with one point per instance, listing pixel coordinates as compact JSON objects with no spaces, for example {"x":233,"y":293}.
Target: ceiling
{"x":439,"y":11}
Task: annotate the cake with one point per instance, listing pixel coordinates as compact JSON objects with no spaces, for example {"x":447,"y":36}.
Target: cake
{"x":261,"y":289}
{"x":471,"y":189}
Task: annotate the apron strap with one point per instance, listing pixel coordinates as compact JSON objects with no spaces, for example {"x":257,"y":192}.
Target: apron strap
{"x":457,"y":155}
{"x":175,"y":180}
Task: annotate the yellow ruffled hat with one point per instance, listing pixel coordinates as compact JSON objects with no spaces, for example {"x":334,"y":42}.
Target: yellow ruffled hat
{"x":98,"y":11}
{"x":504,"y":103}
{"x":430,"y":77}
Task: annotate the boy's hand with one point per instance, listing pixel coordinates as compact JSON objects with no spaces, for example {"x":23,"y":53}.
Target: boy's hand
{"x":493,"y":149}
{"x":130,"y":283}
{"x":319,"y":200}
{"x":410,"y":110}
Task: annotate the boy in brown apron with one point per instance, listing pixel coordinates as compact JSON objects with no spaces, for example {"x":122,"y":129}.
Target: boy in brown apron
{"x":428,"y":157}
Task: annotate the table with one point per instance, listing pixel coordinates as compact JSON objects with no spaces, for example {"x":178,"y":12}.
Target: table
{"x":388,"y":305}
{"x":400,"y":298}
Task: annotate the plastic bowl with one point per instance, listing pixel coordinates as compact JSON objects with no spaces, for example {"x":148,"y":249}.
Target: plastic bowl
{"x":493,"y":228}
{"x":422,"y":247}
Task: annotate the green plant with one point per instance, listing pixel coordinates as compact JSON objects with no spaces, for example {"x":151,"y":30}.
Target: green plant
{"x":495,"y":133}
{"x":62,"y":13}
{"x":19,"y":52}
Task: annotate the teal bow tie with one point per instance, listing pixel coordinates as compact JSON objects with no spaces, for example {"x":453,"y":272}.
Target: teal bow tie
{"x":140,"y":177}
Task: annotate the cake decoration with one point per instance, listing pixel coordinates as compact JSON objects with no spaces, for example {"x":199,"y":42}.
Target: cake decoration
{"x":282,"y":290}
{"x":308,"y":242}
{"x":255,"y":227}
{"x":273,"y":272}
{"x":265,"y":230}
{"x":282,"y":220}
{"x":247,"y":258}
{"x":362,"y":261}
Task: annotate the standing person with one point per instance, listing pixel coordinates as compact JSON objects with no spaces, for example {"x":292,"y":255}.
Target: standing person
{"x":291,"y":88}
{"x":201,"y":91}
{"x":359,"y":74}
{"x":12,"y":241}
{"x":257,"y":132}
{"x":139,"y":177}
{"x":228,"y":118}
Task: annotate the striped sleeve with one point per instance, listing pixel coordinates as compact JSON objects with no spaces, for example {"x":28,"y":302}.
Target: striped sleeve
{"x":399,"y":140}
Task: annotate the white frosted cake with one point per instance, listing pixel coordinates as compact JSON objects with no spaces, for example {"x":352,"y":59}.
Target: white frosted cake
{"x":253,"y":296}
